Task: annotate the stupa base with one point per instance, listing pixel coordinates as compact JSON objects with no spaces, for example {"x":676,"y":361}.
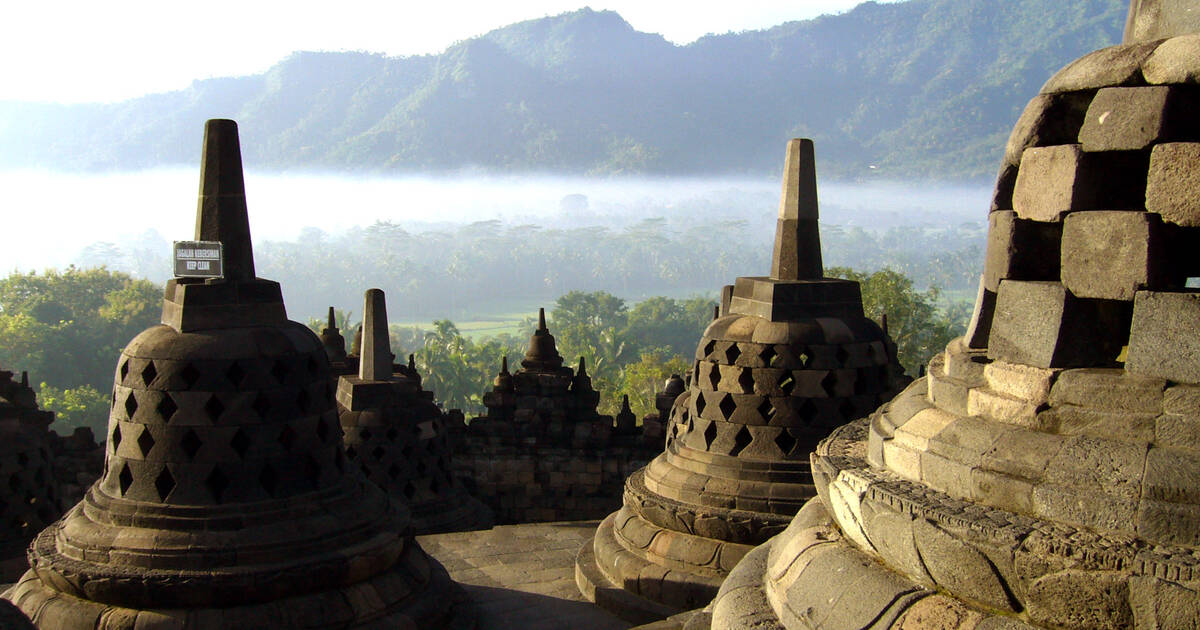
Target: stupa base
{"x":601,"y":590}
{"x":828,"y":583}
{"x":412,"y":594}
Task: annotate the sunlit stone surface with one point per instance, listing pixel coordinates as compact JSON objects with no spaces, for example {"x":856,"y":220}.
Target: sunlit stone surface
{"x":1044,"y":473}
{"x":226,"y":499}
{"x":789,"y":358}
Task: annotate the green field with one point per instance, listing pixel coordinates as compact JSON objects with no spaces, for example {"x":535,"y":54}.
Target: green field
{"x":489,"y":320}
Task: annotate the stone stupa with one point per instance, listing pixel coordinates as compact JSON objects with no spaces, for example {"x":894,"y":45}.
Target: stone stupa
{"x":29,"y":492}
{"x":1046,"y":471}
{"x":332,"y":341}
{"x":396,"y":434}
{"x":790,"y":357}
{"x":226,"y":499}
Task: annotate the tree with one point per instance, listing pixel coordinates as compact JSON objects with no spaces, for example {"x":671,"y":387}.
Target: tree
{"x":592,"y":325}
{"x":918,"y":327}
{"x":645,"y":378}
{"x":663,"y":322}
{"x":83,"y":406}
{"x":67,"y":328}
{"x":446,"y":367}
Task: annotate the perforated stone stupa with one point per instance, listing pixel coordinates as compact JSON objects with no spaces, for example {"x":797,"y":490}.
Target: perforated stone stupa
{"x":790,"y":358}
{"x":1045,"y":472}
{"x":542,"y":452}
{"x":29,"y":492}
{"x":396,"y":435}
{"x":226,"y":500}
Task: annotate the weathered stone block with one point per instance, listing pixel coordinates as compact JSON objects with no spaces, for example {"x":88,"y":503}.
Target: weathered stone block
{"x":927,"y":423}
{"x":1162,"y":605}
{"x":1002,"y":408}
{"x":948,"y":475}
{"x":1022,"y":453}
{"x":1177,"y":431}
{"x":1133,"y":118}
{"x":959,"y":567}
{"x":1104,"y":465}
{"x":1169,"y":523}
{"x":1182,"y":399}
{"x":980,"y":327}
{"x":1174,"y":61}
{"x":1126,"y":426}
{"x":1020,"y":381}
{"x":1081,"y":599}
{"x":902,"y":460}
{"x":891,"y":534}
{"x":1006,"y":180}
{"x":1020,"y":249}
{"x":1172,"y":476}
{"x":1109,"y":390}
{"x":1003,"y":491}
{"x":965,"y":363}
{"x":1059,"y":179}
{"x":948,"y":393}
{"x":837,"y":588}
{"x":1115,"y":65}
{"x":1110,"y":255}
{"x":967,"y":439}
{"x":1173,"y":183}
{"x":1048,"y":119}
{"x":1084,"y":507}
{"x":1163,"y":340}
{"x":1044,"y":325}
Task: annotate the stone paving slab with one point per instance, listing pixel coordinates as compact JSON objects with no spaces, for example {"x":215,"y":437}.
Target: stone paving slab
{"x":522,"y":576}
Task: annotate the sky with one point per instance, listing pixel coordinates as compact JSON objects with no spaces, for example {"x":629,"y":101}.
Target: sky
{"x":89,"y":51}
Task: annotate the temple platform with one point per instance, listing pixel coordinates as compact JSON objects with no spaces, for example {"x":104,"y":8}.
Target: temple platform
{"x":522,"y":576}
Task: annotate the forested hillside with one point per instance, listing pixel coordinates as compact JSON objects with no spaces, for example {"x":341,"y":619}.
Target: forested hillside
{"x":923,"y":88}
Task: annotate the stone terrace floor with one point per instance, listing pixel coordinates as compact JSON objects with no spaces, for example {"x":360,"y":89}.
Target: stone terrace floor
{"x":522,"y":576}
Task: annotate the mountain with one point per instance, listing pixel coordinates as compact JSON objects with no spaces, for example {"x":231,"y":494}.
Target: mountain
{"x":922,"y":88}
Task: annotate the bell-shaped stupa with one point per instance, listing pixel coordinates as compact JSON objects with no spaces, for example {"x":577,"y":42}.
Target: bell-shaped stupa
{"x":332,"y":340}
{"x":397,"y":435}
{"x":789,"y":358}
{"x":1044,"y":473}
{"x":226,"y":499}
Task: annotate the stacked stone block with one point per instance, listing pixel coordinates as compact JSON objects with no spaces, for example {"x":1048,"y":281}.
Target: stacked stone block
{"x":1043,"y":473}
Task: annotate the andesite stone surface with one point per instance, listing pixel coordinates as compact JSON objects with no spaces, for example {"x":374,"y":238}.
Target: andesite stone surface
{"x":226,"y":499}
{"x":30,"y":495}
{"x":1043,"y":473}
{"x":398,"y":437}
{"x":542,"y":452}
{"x":788,"y":358}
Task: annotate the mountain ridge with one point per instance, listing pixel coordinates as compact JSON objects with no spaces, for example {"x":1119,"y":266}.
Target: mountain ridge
{"x":924,"y":89}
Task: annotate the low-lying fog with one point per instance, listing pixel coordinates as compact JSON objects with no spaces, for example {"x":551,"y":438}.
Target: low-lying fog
{"x":52,"y":218}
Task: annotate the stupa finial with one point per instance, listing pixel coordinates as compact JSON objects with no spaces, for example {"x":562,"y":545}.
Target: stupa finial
{"x":221,"y":209}
{"x":542,"y":320}
{"x":797,"y":254}
{"x":331,"y":323}
{"x":376,"y":361}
